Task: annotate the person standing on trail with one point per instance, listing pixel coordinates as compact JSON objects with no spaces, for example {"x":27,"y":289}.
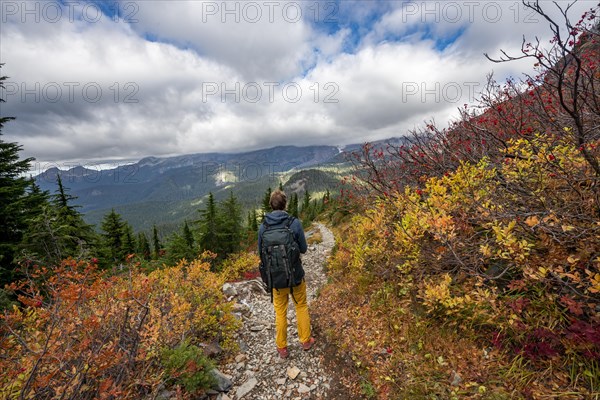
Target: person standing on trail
{"x":280,"y":241}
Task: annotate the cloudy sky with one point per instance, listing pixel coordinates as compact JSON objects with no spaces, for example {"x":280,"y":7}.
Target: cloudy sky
{"x":121,"y":80}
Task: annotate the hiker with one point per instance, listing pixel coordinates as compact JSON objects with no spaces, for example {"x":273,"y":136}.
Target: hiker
{"x":280,"y":230}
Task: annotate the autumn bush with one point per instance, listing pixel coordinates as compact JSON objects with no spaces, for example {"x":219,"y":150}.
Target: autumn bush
{"x":507,"y":256}
{"x":471,"y":268}
{"x":240,"y":266}
{"x":81,"y":334}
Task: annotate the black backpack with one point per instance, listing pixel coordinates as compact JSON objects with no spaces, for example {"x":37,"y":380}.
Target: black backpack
{"x":281,"y":266}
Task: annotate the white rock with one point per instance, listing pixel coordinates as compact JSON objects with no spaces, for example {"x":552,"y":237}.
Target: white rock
{"x":281,"y":381}
{"x":257,"y":328}
{"x":229,"y":290}
{"x":293,"y":372}
{"x":303,"y":388}
{"x":239,"y":358}
{"x":246,"y":388}
{"x":456,"y":379}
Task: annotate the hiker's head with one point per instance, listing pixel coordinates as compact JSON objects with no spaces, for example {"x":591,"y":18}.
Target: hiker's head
{"x":278,"y":200}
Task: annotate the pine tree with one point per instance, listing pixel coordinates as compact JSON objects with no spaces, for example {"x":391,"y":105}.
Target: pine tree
{"x":293,"y":205}
{"x":36,"y":200}
{"x":249,"y":221}
{"x":281,"y":186}
{"x":74,"y":235}
{"x":62,"y":198}
{"x":230,"y":227}
{"x":254,"y":225}
{"x":41,"y":241}
{"x":129,"y":245}
{"x":57,"y":230}
{"x":112,"y":227}
{"x":306,"y":201}
{"x":156,"y":242}
{"x":208,"y":230}
{"x":143,"y":246}
{"x":188,"y":236}
{"x":180,"y":246}
{"x":36,"y":244}
{"x":14,"y":201}
{"x":266,"y":204}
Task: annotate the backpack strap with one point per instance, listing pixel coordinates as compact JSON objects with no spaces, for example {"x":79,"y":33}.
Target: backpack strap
{"x":264,"y":252}
{"x":292,"y":293}
{"x":289,"y":221}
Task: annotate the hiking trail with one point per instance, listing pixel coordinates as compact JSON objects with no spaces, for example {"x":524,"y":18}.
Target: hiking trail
{"x":258,"y":372}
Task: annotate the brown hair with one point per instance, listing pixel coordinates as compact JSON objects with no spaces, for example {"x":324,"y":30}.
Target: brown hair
{"x":278,"y":200}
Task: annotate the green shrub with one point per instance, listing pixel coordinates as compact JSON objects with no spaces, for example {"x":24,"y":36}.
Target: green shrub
{"x":5,"y":300}
{"x":187,"y":365}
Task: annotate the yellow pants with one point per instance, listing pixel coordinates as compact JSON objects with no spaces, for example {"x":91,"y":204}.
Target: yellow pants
{"x":280,"y":301}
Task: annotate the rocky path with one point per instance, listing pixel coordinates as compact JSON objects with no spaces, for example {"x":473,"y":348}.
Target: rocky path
{"x":258,"y":372}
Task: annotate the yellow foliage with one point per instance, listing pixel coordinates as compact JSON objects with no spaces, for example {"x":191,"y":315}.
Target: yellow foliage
{"x":472,"y":306}
{"x":510,"y":248}
{"x":237,"y":266}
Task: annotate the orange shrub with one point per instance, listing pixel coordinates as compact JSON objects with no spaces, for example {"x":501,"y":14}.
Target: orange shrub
{"x":84,"y":335}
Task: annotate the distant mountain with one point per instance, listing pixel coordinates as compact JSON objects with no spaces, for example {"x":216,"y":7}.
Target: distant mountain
{"x":166,"y":191}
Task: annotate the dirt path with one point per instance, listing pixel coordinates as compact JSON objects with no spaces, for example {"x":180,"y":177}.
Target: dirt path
{"x":258,"y":372}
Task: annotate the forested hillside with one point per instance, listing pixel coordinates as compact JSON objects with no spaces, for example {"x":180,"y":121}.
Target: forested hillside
{"x":167,"y":191}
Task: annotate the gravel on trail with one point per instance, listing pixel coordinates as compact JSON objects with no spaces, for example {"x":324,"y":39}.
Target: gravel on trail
{"x":257,"y":372}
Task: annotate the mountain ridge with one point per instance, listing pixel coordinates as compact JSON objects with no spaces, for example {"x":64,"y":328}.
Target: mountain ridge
{"x":170,"y":189}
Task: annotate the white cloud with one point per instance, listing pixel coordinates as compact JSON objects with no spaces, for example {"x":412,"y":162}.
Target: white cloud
{"x":356,"y":84}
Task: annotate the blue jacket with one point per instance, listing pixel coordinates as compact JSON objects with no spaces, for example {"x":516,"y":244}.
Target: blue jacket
{"x":279,"y":217}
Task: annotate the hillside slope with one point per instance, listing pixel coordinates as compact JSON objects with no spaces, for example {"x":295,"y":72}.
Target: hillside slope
{"x":166,"y":191}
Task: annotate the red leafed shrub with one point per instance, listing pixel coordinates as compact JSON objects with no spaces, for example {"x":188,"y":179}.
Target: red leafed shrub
{"x":82,"y":335}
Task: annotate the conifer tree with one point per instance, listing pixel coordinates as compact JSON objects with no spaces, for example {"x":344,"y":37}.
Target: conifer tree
{"x":281,"y":186}
{"x":75,"y":236}
{"x":293,"y":205}
{"x":129,"y":245}
{"x":181,"y":245}
{"x":112,"y":227}
{"x":62,"y":198}
{"x":56,"y":230}
{"x":208,"y":226}
{"x":230,"y":227}
{"x":156,"y":242}
{"x":254,"y":224}
{"x":266,"y":203}
{"x":249,"y":220}
{"x":41,"y":242}
{"x":188,"y":236}
{"x":143,"y":246}
{"x":36,"y":244}
{"x":306,"y":201}
{"x":13,"y":200}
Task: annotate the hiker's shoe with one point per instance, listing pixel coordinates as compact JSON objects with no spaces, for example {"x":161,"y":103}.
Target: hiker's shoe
{"x":308,"y":345}
{"x":283,"y":353}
